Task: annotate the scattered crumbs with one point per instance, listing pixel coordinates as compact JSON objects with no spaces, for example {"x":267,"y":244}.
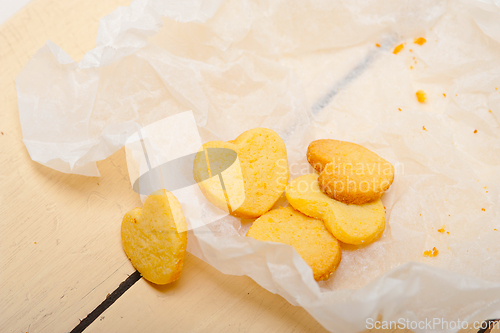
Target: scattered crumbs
{"x":489,"y":110}
{"x":448,"y":232}
{"x":423,"y":127}
{"x":449,"y":215}
{"x":483,"y":209}
{"x":441,"y":230}
{"x":431,"y":253}
{"x":397,"y":49}
{"x":444,"y":94}
{"x":420,"y":40}
{"x":486,"y":191}
{"x":420,"y":214}
{"x":411,"y":67}
{"x":399,"y":109}
{"x":34,"y":242}
{"x":475,"y":131}
{"x":421,"y":96}
{"x":377,"y":45}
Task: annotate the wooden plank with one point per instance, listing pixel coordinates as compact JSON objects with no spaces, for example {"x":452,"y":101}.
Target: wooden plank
{"x":203,"y":300}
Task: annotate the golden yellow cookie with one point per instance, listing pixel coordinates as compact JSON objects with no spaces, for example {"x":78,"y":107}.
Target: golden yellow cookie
{"x":349,"y":172}
{"x":154,"y":238}
{"x":351,"y":224}
{"x":256,"y":179}
{"x":319,"y":249}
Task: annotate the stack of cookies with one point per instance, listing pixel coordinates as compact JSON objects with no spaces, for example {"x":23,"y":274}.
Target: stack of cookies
{"x":342,"y":203}
{"x":339,"y":204}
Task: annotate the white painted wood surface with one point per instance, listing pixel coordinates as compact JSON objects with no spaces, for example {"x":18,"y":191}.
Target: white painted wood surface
{"x":60,"y":247}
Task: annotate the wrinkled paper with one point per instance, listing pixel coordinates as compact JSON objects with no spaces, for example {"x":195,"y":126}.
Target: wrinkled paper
{"x":308,"y":70}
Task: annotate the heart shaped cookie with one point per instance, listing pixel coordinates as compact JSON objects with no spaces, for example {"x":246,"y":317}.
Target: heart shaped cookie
{"x":351,"y":224}
{"x":349,"y":172}
{"x":154,"y":238}
{"x":256,"y":179}
{"x":316,"y":245}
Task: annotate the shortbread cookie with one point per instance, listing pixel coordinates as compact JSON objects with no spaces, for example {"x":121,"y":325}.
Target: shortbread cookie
{"x":349,"y":172}
{"x":316,"y":245}
{"x":154,"y":238}
{"x":254,"y":182}
{"x":351,"y":224}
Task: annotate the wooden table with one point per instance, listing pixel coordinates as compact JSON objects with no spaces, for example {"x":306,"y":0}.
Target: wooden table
{"x":60,"y":246}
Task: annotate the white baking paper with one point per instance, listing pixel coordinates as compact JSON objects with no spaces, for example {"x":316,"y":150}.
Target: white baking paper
{"x":309,"y":70}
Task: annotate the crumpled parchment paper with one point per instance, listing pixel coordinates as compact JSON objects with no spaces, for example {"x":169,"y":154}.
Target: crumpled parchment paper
{"x":309,"y":70}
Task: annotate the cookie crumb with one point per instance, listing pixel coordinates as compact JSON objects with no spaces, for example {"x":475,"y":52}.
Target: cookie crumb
{"x":421,"y":96}
{"x":441,"y":230}
{"x":420,"y":40}
{"x":475,"y":131}
{"x":431,"y":253}
{"x":483,"y":209}
{"x":397,"y":49}
{"x":377,"y":45}
{"x":423,"y":127}
{"x":399,"y":109}
{"x":444,"y":94}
